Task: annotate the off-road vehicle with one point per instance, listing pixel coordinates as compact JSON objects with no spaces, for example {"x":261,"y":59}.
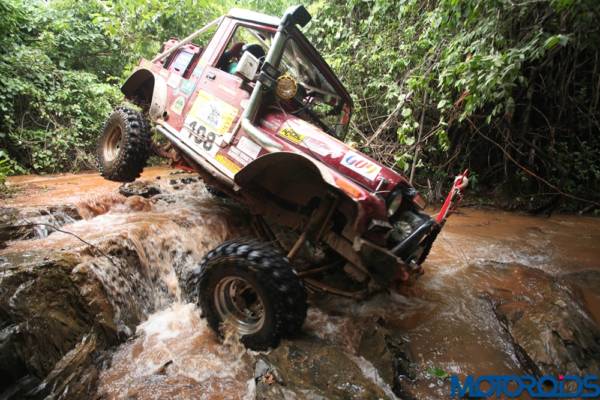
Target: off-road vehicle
{"x":259,"y":114}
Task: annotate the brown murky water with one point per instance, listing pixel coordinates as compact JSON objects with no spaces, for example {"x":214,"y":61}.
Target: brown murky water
{"x":447,"y":320}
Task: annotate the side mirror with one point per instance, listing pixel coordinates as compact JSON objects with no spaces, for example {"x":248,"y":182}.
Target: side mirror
{"x":297,"y":15}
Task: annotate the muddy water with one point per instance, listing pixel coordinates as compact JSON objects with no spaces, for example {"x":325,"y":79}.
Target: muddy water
{"x":175,"y":356}
{"x":47,"y":190}
{"x":447,"y":322}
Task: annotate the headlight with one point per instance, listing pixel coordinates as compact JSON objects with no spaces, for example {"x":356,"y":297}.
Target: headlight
{"x":286,"y":87}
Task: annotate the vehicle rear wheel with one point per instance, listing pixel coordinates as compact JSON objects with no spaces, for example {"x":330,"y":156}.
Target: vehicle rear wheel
{"x":124,"y":146}
{"x":250,"y":287}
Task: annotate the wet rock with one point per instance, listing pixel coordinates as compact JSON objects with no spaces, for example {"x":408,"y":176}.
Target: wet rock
{"x":8,"y":220}
{"x":587,"y":282}
{"x":391,"y":356}
{"x":75,"y":374}
{"x":33,"y":223}
{"x":552,"y":333}
{"x":24,"y":388}
{"x":139,"y":188}
{"x":312,"y":369}
{"x":43,"y":318}
{"x":179,"y":183}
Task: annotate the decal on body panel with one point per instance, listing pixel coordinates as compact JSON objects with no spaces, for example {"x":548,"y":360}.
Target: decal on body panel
{"x":212,"y":113}
{"x":187,"y":87}
{"x":249,"y":147}
{"x":178,"y":104}
{"x":300,"y":132}
{"x":174,"y":80}
{"x":292,"y":135}
{"x":227,"y":163}
{"x":317,"y":146}
{"x":239,"y":156}
{"x":202,"y":137}
{"x":205,"y":123}
{"x":361,"y":165}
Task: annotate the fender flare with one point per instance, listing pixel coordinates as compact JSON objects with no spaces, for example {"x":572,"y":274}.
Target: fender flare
{"x":351,"y":204}
{"x":142,"y":77}
{"x":250,"y":171}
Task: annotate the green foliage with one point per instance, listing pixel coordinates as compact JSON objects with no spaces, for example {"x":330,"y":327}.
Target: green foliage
{"x":52,"y":107}
{"x":140,"y":27}
{"x":7,"y":167}
{"x":437,"y":372}
{"x":4,"y":170}
{"x":507,"y":88}
{"x":61,"y":62}
{"x":522,"y":73}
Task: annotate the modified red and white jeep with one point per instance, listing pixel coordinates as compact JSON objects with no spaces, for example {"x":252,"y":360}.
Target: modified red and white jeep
{"x":261,"y":117}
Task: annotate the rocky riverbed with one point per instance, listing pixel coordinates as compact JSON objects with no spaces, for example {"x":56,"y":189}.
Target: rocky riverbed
{"x":91,"y":304}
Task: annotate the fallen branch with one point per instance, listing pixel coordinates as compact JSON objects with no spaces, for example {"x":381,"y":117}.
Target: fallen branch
{"x":413,"y":167}
{"x":57,"y":229}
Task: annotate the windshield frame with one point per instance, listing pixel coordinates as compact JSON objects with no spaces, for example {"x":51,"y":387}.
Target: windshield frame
{"x":293,"y":33}
{"x":320,"y":63}
{"x":313,"y":59}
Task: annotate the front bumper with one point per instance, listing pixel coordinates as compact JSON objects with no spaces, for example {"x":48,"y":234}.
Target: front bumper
{"x":402,"y":264}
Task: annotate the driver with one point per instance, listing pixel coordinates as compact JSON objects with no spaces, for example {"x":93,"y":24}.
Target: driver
{"x":230,"y":57}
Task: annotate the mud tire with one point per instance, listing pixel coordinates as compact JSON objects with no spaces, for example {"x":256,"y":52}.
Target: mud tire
{"x":272,"y":278}
{"x":124,"y":145}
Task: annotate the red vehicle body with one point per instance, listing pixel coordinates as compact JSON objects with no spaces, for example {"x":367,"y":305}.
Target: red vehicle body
{"x":259,"y":137}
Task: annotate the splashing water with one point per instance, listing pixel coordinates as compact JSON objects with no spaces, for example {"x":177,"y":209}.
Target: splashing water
{"x":175,"y":355}
{"x":139,"y":249}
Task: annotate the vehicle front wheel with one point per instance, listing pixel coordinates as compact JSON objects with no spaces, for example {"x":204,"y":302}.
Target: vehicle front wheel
{"x":124,"y":146}
{"x":251,"y":288}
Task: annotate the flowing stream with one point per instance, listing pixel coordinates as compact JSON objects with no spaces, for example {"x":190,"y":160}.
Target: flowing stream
{"x":497,"y":286}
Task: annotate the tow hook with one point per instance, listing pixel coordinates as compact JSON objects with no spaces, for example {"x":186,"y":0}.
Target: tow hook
{"x":450,"y":204}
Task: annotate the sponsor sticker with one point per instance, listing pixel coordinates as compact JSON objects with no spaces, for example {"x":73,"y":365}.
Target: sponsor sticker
{"x":197,"y":71}
{"x":312,"y":143}
{"x":212,"y":112}
{"x":270,"y":125}
{"x":178,"y":104}
{"x":249,"y":147}
{"x":361,"y":165}
{"x":187,"y":87}
{"x":292,"y":135}
{"x":317,"y":146}
{"x":239,"y":156}
{"x":227,"y":163}
{"x":174,"y":80}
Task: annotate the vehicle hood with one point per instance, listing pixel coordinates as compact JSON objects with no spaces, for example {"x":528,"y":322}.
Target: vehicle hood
{"x":314,"y":142}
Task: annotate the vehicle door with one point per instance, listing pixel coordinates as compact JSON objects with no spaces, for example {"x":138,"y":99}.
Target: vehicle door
{"x":221,"y":95}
